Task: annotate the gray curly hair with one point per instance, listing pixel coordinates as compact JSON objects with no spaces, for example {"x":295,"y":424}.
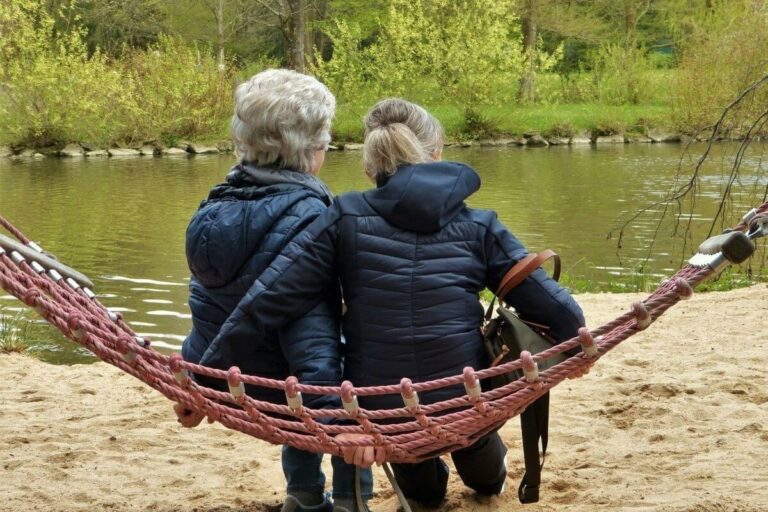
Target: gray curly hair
{"x":281,"y":118}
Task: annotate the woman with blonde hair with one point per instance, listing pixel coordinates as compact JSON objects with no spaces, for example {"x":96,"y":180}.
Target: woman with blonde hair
{"x":281,"y":129}
{"x":412,"y":258}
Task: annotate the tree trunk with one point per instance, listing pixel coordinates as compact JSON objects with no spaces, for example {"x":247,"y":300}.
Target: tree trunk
{"x":220,"y":33}
{"x":527,"y":91}
{"x":299,"y":35}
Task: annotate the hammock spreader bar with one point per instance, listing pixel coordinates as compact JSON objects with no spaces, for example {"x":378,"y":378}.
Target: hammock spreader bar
{"x":420,"y":431}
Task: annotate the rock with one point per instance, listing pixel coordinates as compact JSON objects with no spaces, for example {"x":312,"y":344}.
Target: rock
{"x":174,"y":151}
{"x":199,"y":149}
{"x":96,"y":153}
{"x":582,"y":137}
{"x":225,"y":146}
{"x":659,"y":135}
{"x":147,"y":150}
{"x":466,"y":143}
{"x":558,"y":141}
{"x":29,"y":153}
{"x":5,"y":151}
{"x":122,"y":152}
{"x":72,"y":150}
{"x":50,"y":150}
{"x":610,"y":139}
{"x":519,"y":142}
{"x":352,"y":146}
{"x":536,"y":141}
{"x":636,"y":137}
{"x":496,"y":143}
{"x":331,"y":147}
{"x":183,"y":144}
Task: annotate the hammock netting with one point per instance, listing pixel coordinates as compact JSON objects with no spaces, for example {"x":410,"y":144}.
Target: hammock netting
{"x":411,"y":433}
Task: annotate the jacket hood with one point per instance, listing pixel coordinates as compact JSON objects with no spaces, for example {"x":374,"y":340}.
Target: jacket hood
{"x":227,"y":235}
{"x":424,"y":197}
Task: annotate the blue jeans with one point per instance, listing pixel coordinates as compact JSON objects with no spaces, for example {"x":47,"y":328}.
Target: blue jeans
{"x":303,"y":473}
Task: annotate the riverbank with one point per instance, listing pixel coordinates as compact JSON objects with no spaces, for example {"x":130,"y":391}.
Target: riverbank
{"x":529,"y":139}
{"x":673,"y":420}
{"x":507,"y":125}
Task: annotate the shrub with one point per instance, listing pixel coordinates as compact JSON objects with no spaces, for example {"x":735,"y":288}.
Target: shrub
{"x":724,"y":52}
{"x":179,"y":90}
{"x":622,"y":74}
{"x":52,"y":89}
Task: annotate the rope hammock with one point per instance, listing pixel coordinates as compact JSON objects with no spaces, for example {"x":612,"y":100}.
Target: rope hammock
{"x":412,"y":433}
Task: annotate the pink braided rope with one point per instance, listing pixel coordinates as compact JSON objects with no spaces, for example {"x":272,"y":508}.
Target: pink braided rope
{"x":406,"y":434}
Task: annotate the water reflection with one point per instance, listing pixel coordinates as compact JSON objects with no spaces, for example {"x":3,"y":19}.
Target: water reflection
{"x":122,"y":222}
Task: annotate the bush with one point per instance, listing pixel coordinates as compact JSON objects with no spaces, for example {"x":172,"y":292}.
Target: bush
{"x":622,"y":75}
{"x":179,"y":91}
{"x":54,"y":91}
{"x":478,"y":125}
{"x":723,"y":54}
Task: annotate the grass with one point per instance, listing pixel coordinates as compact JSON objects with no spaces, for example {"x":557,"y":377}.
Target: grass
{"x":13,"y":333}
{"x":515,"y":120}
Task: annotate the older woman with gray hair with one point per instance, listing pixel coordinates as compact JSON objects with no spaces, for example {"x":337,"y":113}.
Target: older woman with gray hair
{"x":281,"y":129}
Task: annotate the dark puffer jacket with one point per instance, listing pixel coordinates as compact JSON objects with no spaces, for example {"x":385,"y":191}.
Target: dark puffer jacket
{"x":412,"y":258}
{"x":231,"y":239}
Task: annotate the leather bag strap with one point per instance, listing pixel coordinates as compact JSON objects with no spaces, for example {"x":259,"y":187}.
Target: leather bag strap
{"x":520,"y":271}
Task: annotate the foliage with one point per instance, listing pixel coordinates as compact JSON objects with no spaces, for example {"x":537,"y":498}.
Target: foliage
{"x":179,"y":89}
{"x":724,"y":50}
{"x":13,"y":333}
{"x":621,"y":74}
{"x":52,"y":88}
{"x":55,"y":91}
{"x":468,"y":51}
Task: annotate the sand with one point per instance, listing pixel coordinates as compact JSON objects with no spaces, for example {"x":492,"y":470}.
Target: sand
{"x":675,"y":419}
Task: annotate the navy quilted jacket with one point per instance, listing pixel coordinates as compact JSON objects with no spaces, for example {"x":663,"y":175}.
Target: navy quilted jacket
{"x":412,"y":258}
{"x":231,"y":239}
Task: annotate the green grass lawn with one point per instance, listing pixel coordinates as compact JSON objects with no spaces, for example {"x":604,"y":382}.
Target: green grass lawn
{"x":514,"y":120}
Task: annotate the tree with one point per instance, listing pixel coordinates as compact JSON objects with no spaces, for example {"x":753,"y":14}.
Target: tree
{"x":529,"y":19}
{"x":232,"y":18}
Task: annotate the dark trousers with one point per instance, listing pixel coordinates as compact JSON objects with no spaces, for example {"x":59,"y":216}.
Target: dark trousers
{"x":480,"y":466}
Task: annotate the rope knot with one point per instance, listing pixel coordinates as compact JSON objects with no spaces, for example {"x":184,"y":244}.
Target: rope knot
{"x":588,"y":345}
{"x":236,"y":386}
{"x":30,"y":297}
{"x":75,"y":325}
{"x":349,"y":400}
{"x":410,"y":396}
{"x":683,"y":288}
{"x":292,"y":394}
{"x":473,"y":389}
{"x":179,"y":373}
{"x":530,"y":368}
{"x":642,"y":316}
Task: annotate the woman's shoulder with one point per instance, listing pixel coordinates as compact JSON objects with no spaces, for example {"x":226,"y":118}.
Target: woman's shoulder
{"x":480,"y":216}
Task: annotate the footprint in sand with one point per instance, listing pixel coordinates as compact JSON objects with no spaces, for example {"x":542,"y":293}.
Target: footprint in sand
{"x":657,"y":390}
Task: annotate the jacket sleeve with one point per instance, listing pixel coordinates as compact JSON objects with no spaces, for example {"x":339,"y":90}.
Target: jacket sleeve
{"x":301,"y":281}
{"x":539,"y":298}
{"x":310,"y":344}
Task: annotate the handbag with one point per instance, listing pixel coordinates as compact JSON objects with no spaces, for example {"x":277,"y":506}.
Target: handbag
{"x":505,"y":337}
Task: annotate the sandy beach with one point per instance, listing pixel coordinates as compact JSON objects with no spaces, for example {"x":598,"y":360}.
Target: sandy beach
{"x":675,"y":419}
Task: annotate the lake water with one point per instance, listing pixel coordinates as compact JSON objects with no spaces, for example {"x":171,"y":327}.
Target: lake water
{"x":122,"y":221}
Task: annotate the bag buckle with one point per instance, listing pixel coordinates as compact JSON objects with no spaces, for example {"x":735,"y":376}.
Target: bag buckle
{"x":497,"y":360}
